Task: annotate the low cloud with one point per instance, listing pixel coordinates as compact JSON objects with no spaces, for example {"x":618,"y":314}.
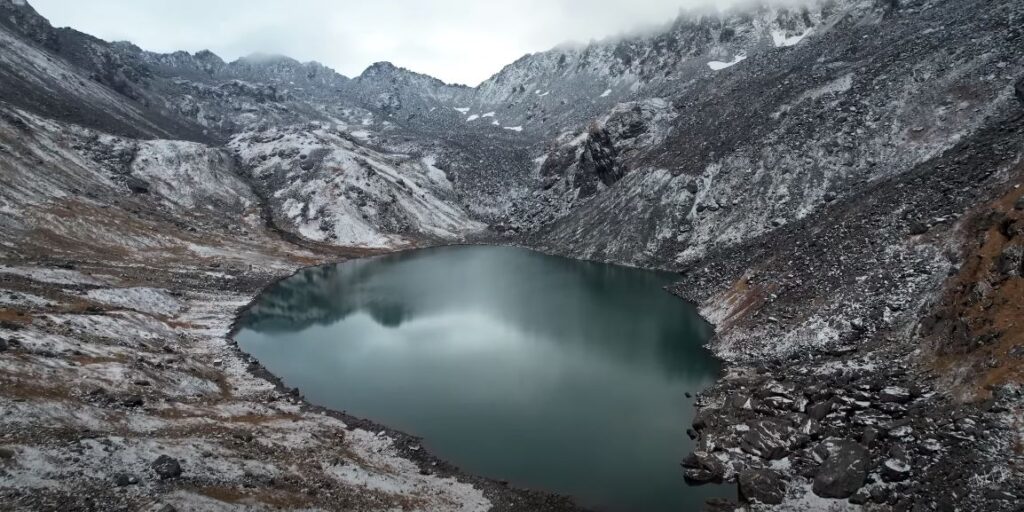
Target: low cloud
{"x":462,"y":41}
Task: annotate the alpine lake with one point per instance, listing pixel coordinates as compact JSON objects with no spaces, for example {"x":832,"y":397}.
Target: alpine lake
{"x":551,"y":373}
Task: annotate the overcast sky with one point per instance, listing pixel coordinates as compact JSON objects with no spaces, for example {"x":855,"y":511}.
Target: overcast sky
{"x":462,"y":41}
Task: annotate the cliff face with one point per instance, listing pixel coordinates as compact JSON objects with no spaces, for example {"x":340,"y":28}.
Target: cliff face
{"x":837,"y":184}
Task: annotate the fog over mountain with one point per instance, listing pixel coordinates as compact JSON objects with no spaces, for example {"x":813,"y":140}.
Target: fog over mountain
{"x":465,"y":41}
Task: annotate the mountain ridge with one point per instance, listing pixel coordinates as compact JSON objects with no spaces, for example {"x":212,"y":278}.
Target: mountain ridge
{"x":839,"y":188}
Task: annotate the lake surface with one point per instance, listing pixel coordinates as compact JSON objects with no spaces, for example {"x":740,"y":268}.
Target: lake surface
{"x":550,"y":373}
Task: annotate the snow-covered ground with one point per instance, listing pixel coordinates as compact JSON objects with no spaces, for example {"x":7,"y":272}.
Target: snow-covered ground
{"x":327,"y":188}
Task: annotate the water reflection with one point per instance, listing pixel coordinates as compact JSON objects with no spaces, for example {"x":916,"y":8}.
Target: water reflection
{"x":549,"y":372}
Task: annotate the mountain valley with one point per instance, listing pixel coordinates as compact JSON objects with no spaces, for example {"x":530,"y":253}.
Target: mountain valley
{"x":838,"y":186}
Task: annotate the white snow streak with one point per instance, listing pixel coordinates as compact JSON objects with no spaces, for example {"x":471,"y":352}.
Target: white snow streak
{"x":717,"y":65}
{"x":780,"y":40}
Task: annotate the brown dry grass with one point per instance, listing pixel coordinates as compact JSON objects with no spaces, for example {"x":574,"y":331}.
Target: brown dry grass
{"x":91,"y":360}
{"x":180,"y":324}
{"x":243,"y":419}
{"x":19,"y":387}
{"x":1000,"y":314}
{"x":15,"y":317}
{"x":743,"y":298}
{"x":260,"y":419}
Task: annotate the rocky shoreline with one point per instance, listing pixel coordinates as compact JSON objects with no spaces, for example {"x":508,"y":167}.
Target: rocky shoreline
{"x":501,"y":495}
{"x":876,"y":414}
{"x":234,"y":436}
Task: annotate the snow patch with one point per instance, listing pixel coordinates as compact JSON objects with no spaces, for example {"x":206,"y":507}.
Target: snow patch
{"x":514,"y":128}
{"x":462,"y":110}
{"x":51,"y":275}
{"x":717,"y":65}
{"x":191,"y":175}
{"x":606,"y":93}
{"x":146,"y":300}
{"x":780,"y":39}
{"x":23,"y":299}
{"x":352,"y":195}
{"x":837,"y":86}
{"x":471,"y":118}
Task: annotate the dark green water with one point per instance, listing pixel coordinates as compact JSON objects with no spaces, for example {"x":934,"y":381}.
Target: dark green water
{"x":551,"y":373}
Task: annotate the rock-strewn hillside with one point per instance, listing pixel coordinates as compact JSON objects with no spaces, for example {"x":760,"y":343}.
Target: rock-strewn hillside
{"x":788,"y":131}
{"x":839,"y":185}
{"x":322,"y":185}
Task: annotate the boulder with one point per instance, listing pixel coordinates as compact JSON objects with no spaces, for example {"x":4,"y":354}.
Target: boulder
{"x":3,"y":345}
{"x":124,"y":480}
{"x":706,"y":417}
{"x":894,"y":394}
{"x":772,"y":438}
{"x":844,"y":471}
{"x":136,"y":185}
{"x":702,"y":467}
{"x":819,"y":410}
{"x":1010,"y":261}
{"x":761,"y":485}
{"x":1019,"y":205}
{"x":860,"y":498}
{"x":858,"y":325}
{"x":808,"y":426}
{"x":133,"y":401}
{"x":739,"y":401}
{"x":1019,"y":89}
{"x":869,"y":436}
{"x":895,"y":470}
{"x":166,"y":467}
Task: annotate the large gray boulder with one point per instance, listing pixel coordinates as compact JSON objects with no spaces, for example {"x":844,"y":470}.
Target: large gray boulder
{"x":844,"y":471}
{"x":772,"y":438}
{"x":167,"y":467}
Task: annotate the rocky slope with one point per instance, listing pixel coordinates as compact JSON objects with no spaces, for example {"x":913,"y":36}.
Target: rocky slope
{"x":839,"y":185}
{"x":124,"y":265}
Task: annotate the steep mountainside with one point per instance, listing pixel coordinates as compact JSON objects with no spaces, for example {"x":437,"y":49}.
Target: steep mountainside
{"x":838,"y":183}
{"x":784,"y":133}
